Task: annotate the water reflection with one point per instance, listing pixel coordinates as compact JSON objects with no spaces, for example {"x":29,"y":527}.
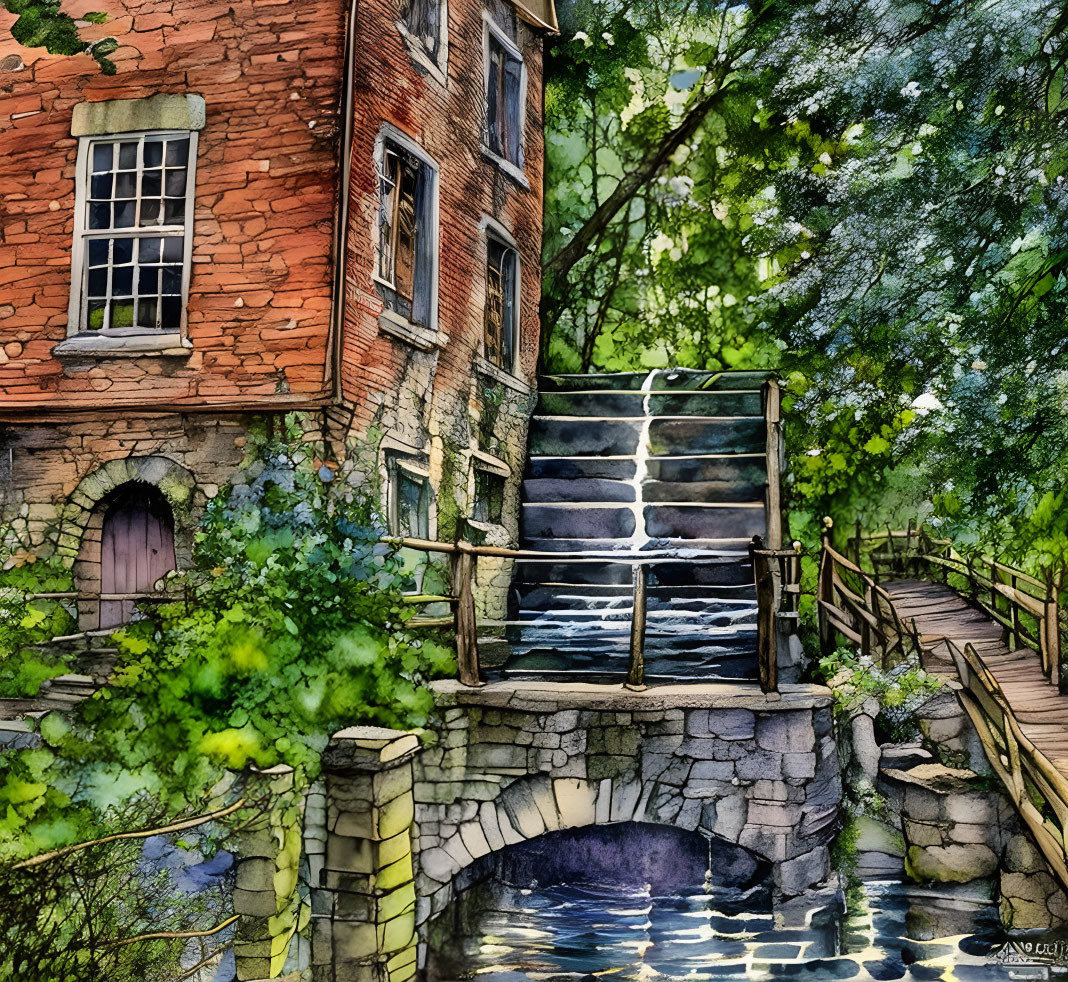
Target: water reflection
{"x":501,"y":933}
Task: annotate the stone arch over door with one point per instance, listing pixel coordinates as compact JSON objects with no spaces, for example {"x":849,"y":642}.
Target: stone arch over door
{"x":82,"y":523}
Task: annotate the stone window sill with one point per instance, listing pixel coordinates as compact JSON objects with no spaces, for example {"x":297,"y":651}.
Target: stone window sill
{"x":131,"y":346}
{"x":513,"y":171}
{"x":485,"y":367}
{"x":418,"y":337}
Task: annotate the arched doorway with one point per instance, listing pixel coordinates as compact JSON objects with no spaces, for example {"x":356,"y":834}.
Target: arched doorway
{"x":136,"y":547}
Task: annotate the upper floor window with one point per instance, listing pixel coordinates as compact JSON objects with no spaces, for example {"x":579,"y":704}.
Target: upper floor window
{"x":505,"y":93}
{"x":407,"y":236}
{"x":502,"y":304}
{"x":133,"y":222}
{"x":423,"y":23}
{"x":133,"y":233}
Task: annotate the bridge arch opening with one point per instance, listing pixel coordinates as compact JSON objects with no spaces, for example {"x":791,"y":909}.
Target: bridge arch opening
{"x":603,"y":897}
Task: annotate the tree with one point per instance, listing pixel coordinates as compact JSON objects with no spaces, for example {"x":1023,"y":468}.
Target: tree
{"x":886,"y":185}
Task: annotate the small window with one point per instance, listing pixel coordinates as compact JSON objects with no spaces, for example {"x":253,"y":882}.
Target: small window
{"x":409,"y":500}
{"x":502,"y":304}
{"x":489,"y":496}
{"x":423,"y":20}
{"x":132,"y":231}
{"x":406,"y":236}
{"x":504,"y":101}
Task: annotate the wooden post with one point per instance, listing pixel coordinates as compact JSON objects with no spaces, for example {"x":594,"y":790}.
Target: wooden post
{"x":773,"y":508}
{"x":856,"y":541}
{"x":767,"y":648}
{"x":636,"y":673}
{"x":463,"y":580}
{"x":1014,"y":609}
{"x":825,"y":590}
{"x":865,"y":626}
{"x":1052,"y":627}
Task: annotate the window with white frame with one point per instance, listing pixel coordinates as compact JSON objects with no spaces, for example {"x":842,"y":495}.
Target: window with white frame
{"x":505,"y":85}
{"x":133,"y":232}
{"x":502,"y":304}
{"x":407,"y":238}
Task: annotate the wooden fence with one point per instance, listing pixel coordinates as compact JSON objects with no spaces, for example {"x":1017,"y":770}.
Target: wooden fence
{"x":1029,"y":608}
{"x":852,"y":603}
{"x":777,"y":575}
{"x":1038,"y":790}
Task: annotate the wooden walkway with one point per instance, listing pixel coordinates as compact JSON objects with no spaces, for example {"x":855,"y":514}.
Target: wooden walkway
{"x":941,"y":613}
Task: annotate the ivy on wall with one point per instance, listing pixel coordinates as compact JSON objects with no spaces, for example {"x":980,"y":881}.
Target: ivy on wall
{"x":42,"y":24}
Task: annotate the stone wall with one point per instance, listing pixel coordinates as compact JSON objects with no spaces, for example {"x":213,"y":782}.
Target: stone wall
{"x":363,"y":889}
{"x":259,"y":295}
{"x":430,"y":393}
{"x":515,"y":761}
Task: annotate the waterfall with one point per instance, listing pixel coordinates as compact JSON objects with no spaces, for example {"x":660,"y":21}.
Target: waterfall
{"x":640,"y":538}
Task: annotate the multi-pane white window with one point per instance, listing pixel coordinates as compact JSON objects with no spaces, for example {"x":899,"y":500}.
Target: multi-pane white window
{"x":133,"y":230}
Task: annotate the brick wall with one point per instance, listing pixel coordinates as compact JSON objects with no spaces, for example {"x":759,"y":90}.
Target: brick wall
{"x":259,"y":302}
{"x":439,"y":401}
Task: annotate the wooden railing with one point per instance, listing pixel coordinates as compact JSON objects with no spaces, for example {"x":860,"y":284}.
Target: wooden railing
{"x":1037,"y":788}
{"x":852,"y":603}
{"x":777,"y":574}
{"x":1029,"y":608}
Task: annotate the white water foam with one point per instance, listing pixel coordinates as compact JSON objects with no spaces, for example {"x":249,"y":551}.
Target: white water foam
{"x":640,"y":539}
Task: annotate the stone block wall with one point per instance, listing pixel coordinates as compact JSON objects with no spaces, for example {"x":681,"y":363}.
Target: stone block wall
{"x":260,"y":291}
{"x":515,"y":762}
{"x":363,"y":892}
{"x":265,"y":895}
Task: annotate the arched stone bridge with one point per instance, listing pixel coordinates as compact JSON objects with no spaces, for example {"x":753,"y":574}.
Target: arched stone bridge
{"x":406,"y":826}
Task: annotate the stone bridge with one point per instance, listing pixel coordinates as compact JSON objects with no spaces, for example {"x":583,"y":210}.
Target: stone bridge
{"x":405,"y":827}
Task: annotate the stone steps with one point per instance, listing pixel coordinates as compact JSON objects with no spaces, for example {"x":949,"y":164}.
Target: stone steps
{"x":602,"y":520}
{"x":668,"y":467}
{"x":600,"y":404}
{"x":677,"y":379}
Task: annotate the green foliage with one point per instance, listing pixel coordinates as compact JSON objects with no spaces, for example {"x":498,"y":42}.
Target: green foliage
{"x":881,"y":192}
{"x":899,"y":691}
{"x":295,"y":627}
{"x":42,"y":24}
{"x":27,"y":624}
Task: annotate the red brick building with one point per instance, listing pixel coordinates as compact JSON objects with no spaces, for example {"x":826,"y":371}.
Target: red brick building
{"x":177,"y":258}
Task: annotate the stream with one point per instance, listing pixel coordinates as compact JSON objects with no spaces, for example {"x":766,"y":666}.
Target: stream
{"x":496,"y":932}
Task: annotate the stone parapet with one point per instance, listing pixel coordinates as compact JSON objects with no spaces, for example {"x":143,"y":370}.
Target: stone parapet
{"x":266,"y":895}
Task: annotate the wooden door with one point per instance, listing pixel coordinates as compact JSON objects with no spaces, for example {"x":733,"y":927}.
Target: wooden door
{"x":136,"y":548}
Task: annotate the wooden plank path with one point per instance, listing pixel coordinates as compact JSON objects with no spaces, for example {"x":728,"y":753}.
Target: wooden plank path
{"x":940,"y":613}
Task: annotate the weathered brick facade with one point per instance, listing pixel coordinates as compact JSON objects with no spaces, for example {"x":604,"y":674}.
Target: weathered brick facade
{"x":266,"y":331}
{"x":259,"y":296}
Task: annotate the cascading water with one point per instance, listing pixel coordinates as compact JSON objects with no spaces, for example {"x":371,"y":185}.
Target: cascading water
{"x":666,"y":466}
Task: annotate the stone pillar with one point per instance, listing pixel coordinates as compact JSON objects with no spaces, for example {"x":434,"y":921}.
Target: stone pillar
{"x":364,"y":904}
{"x":266,"y":894}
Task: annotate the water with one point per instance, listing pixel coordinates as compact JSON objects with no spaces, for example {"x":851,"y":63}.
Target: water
{"x":573,"y":933}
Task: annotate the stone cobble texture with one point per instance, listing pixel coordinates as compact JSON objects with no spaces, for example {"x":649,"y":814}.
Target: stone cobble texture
{"x":764,"y":778}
